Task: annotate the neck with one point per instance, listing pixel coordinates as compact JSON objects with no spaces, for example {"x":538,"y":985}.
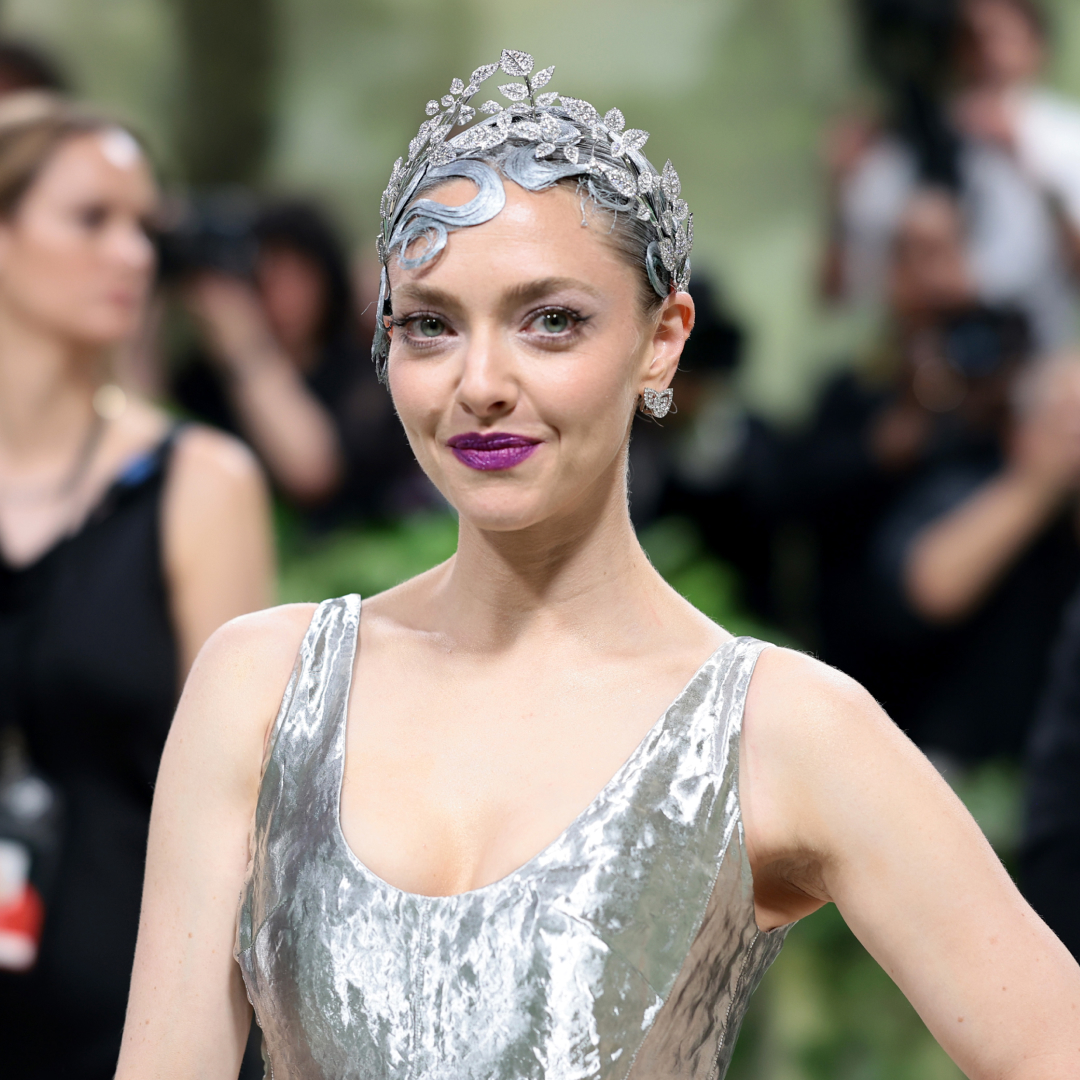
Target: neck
{"x":46,"y":390}
{"x":584,"y":575}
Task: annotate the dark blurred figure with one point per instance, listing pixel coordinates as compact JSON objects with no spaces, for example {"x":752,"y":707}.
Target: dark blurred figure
{"x":954,"y":73}
{"x":1050,"y":849}
{"x":282,"y":362}
{"x":870,"y":433}
{"x":711,"y":460}
{"x":975,"y":561}
{"x":26,"y":67}
{"x":939,"y":499}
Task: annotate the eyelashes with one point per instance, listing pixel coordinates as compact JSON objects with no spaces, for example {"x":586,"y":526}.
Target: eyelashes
{"x":550,"y":326}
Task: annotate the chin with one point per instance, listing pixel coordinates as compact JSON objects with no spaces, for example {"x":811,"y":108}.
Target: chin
{"x":504,"y":511}
{"x":104,"y":333}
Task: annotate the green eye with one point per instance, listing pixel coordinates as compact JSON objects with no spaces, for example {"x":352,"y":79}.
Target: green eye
{"x":555,"y":322}
{"x":430,"y":327}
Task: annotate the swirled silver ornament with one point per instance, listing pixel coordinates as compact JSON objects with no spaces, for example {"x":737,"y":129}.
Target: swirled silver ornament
{"x":537,"y":140}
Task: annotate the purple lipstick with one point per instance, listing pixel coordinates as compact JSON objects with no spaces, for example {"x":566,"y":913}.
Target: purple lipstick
{"x":495,"y":450}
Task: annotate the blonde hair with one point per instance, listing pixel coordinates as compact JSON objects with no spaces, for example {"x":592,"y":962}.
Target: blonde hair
{"x":34,"y":124}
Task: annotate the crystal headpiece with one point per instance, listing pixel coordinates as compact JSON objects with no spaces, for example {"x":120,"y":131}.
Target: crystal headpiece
{"x":537,"y":140}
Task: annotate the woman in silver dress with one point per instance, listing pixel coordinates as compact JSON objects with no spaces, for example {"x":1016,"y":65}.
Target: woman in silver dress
{"x":465,"y":844}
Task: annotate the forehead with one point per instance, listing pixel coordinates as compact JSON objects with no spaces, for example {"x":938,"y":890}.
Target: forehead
{"x":552,"y":233}
{"x":97,"y":163}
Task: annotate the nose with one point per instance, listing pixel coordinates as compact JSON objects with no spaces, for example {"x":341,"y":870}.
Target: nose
{"x":488,"y":387}
{"x":131,"y":247}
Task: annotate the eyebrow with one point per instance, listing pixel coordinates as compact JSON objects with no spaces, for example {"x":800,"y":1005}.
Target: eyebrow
{"x":522,"y":293}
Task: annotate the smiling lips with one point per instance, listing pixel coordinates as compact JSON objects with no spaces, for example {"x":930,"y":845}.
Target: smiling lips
{"x":496,"y":450}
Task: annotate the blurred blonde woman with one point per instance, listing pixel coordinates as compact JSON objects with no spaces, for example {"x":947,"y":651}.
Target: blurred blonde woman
{"x":124,"y":542}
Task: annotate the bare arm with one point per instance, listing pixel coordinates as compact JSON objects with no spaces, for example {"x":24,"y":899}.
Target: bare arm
{"x":216,"y":536}
{"x":188,"y":1015}
{"x":957,"y":560}
{"x":283,"y":420}
{"x":839,"y":806}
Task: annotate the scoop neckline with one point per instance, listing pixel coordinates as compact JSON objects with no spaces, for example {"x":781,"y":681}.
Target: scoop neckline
{"x":526,"y":867}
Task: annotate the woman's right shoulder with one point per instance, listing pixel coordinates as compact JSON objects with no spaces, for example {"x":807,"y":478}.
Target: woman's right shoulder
{"x":240,"y":675}
{"x":257,"y":645}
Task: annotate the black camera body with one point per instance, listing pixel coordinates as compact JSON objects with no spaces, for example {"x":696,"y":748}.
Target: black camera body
{"x":982,"y":342}
{"x":208,"y":231}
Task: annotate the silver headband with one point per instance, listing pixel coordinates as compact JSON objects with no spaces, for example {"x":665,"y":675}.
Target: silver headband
{"x":534,"y":142}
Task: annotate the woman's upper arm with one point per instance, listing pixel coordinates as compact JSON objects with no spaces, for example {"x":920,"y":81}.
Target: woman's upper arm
{"x":188,"y":1015}
{"x":216,"y":537}
{"x":839,"y":805}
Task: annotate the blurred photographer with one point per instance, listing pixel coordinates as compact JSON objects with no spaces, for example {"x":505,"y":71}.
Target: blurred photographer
{"x":1003,"y":53}
{"x":871,"y":433}
{"x":928,"y":59}
{"x":280,"y":360}
{"x":976,"y":560}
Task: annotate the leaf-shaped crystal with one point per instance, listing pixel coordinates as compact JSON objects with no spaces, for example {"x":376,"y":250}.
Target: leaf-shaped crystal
{"x":542,"y":78}
{"x":520,"y":108}
{"x":668,"y":222}
{"x":614,"y":120}
{"x":550,"y":128}
{"x":483,"y":72}
{"x":517,"y":63}
{"x":669,"y":182}
{"x":545,"y":149}
{"x":491,"y":107}
{"x":680,"y":209}
{"x":667,"y":254}
{"x":515,"y":91}
{"x":634,"y":139}
{"x":443,"y":154}
{"x":415,"y":146}
{"x":571,"y":154}
{"x":643,"y":213}
{"x":457,"y":86}
{"x":645,"y":182}
{"x":447,"y":101}
{"x":466,"y":114}
{"x":432,"y":107}
{"x":526,"y":129}
{"x":622,"y":181}
{"x":547,"y":99}
{"x":580,"y":110}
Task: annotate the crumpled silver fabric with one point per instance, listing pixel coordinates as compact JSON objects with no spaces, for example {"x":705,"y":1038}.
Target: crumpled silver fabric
{"x":627,"y":948}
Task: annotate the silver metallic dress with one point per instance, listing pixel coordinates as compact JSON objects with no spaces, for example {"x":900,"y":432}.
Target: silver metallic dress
{"x":627,"y":948}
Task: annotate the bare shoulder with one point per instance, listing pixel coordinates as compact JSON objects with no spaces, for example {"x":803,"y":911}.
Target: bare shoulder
{"x":203,"y":457}
{"x":797,"y":699}
{"x":237,"y":682}
{"x":822,"y":764}
{"x":256,"y":643}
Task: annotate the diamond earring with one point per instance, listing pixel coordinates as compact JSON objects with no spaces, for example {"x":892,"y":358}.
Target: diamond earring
{"x":656,"y":402}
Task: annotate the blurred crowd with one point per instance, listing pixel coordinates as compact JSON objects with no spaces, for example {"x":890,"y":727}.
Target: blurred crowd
{"x":920,"y":529}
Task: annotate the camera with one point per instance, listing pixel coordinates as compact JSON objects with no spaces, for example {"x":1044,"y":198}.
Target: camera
{"x":981,"y":342}
{"x":212,"y":230}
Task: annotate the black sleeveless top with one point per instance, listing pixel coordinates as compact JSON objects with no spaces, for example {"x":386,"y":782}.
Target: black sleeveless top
{"x":88,"y":673}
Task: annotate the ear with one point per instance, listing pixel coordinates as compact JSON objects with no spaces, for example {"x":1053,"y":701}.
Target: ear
{"x":673,"y":324}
